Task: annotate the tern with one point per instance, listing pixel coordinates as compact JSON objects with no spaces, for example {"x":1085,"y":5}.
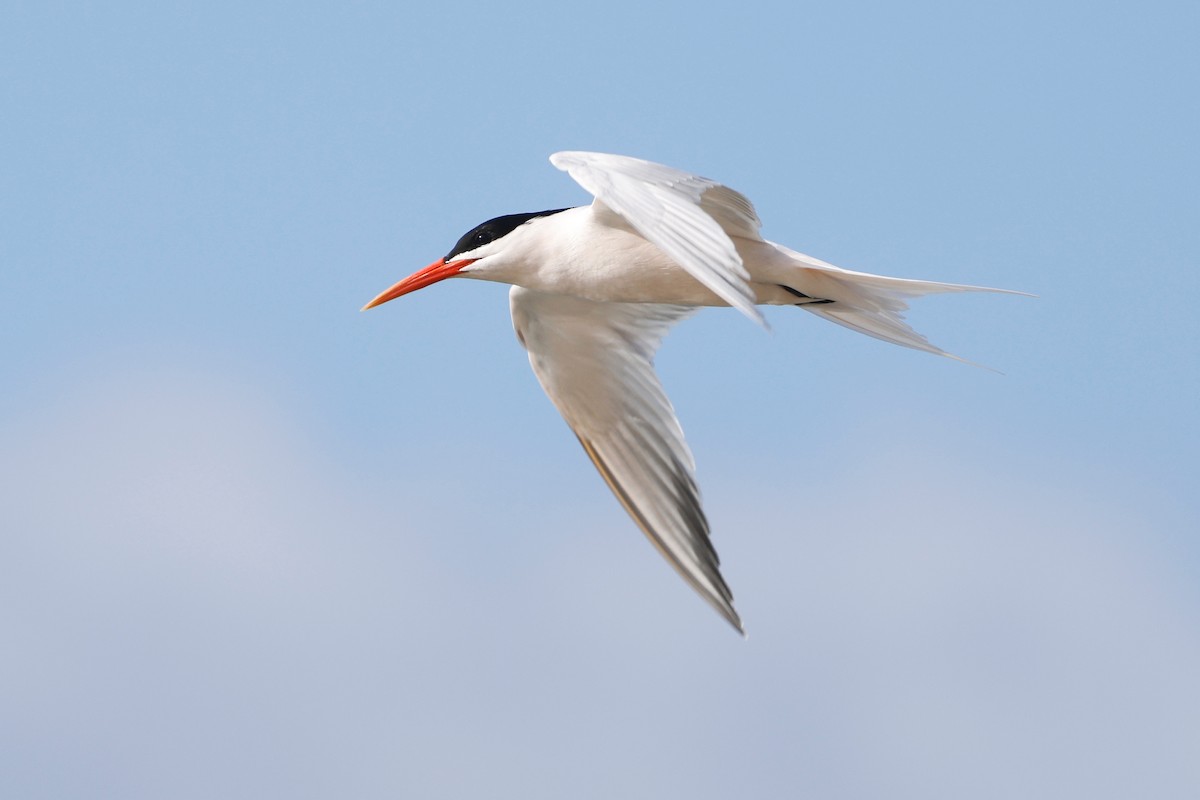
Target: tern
{"x":594,"y":290}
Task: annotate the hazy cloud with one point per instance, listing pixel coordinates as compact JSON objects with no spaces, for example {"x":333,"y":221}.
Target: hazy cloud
{"x":199,"y":601}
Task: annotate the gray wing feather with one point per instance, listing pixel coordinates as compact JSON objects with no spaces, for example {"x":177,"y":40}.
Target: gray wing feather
{"x":595,"y":361}
{"x":688,"y":217}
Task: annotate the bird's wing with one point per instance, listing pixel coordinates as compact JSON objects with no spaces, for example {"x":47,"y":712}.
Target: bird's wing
{"x":595,"y":361}
{"x":688,"y":217}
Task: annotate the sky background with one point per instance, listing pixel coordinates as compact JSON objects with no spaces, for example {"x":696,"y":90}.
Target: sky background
{"x":257,"y":544}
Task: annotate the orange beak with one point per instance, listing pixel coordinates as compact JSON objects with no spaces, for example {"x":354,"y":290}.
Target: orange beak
{"x":437,"y":271}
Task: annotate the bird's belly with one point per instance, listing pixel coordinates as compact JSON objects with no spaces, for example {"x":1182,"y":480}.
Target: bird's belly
{"x":652,"y":279}
{"x":619,"y":266}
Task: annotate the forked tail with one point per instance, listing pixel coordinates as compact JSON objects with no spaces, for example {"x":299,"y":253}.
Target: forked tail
{"x":871,"y":304}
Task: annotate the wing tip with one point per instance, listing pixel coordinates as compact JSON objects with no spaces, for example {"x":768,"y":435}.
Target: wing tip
{"x":736,"y":621}
{"x":563,"y":158}
{"x":754,"y":315}
{"x":712,"y":588}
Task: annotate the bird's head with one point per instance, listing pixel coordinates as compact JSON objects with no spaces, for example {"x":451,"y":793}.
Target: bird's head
{"x":478,"y":249}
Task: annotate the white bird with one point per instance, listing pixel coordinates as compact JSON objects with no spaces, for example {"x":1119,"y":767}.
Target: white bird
{"x":595,"y":289}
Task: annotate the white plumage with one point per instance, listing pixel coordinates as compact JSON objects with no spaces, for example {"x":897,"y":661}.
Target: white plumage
{"x":596,"y":288}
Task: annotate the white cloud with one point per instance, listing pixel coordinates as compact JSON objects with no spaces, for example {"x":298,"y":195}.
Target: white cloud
{"x":201,"y":601}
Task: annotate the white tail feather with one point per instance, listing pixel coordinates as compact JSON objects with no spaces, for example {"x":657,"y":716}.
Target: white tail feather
{"x":872,"y":304}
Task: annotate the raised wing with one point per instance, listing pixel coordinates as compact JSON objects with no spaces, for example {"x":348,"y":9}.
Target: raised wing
{"x":595,"y":361}
{"x":688,"y":217}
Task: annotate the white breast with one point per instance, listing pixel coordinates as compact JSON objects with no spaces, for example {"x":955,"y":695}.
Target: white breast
{"x":596,"y":255}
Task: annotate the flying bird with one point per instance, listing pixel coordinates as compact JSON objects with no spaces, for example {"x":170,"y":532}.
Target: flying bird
{"x":594,"y":290}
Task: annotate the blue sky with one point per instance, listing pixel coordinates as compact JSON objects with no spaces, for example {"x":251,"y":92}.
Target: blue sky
{"x":256,"y":543}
